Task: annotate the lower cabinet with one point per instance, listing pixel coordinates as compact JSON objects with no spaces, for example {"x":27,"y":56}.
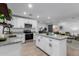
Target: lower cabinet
{"x":52,"y":47}
{"x":44,"y":44}
{"x":48,"y":46}
{"x":40,"y":42}
{"x":11,"y":50}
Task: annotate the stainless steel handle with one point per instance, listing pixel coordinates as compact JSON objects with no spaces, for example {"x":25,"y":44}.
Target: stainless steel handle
{"x":50,"y":45}
{"x":50,"y":40}
{"x":38,"y":40}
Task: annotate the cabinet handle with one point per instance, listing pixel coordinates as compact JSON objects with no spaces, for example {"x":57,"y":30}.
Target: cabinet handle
{"x":38,"y":40}
{"x":50,"y":45}
{"x":50,"y":40}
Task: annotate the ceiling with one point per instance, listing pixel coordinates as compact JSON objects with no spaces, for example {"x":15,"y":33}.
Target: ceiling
{"x":57,"y":11}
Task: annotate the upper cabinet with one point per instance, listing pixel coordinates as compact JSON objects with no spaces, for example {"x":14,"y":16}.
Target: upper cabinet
{"x":20,"y":23}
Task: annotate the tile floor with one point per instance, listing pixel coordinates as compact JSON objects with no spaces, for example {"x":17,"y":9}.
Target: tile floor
{"x":29,"y":49}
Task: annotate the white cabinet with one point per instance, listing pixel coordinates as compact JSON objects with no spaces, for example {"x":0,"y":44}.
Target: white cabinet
{"x":49,"y":45}
{"x":21,"y":37}
{"x":11,"y":50}
{"x":44,"y":44}
{"x":35,"y":36}
{"x":19,"y":23}
{"x":40,"y":42}
{"x":53,"y":47}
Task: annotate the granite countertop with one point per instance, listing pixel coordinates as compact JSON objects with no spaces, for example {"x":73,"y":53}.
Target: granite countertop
{"x":16,"y":33}
{"x":58,"y":37}
{"x":11,"y":40}
{"x":4,"y":43}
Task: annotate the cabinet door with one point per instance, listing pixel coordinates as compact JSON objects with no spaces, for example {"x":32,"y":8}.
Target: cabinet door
{"x":42,"y":43}
{"x":56,"y":48}
{"x":49,"y":46}
{"x":39,"y":42}
{"x":53,"y":47}
{"x":46,"y":44}
{"x":35,"y":36}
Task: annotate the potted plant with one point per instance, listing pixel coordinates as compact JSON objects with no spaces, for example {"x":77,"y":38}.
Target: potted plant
{"x":2,"y":17}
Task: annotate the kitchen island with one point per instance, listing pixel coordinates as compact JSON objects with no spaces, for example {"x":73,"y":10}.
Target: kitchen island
{"x":53,"y":45}
{"x":12,"y":45}
{"x":11,"y":49}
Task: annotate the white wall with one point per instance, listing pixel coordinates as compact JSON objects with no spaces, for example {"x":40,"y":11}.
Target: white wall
{"x":71,"y":25}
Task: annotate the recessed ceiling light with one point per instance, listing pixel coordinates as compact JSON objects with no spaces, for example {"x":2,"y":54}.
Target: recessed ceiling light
{"x":49,"y":17}
{"x":30,"y":5}
{"x":38,"y":16}
{"x":25,"y":13}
